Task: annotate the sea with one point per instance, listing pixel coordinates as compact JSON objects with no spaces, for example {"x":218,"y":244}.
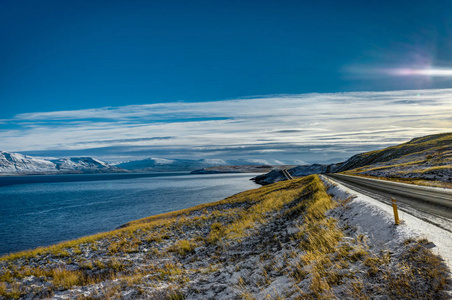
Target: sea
{"x":41,"y":210}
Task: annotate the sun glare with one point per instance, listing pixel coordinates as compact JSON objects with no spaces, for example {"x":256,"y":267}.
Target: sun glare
{"x":421,"y":72}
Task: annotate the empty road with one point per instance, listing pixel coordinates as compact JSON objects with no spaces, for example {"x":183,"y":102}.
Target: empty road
{"x":431,"y":204}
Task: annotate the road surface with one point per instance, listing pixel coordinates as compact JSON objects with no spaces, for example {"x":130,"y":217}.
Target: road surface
{"x":287,"y":174}
{"x":430,"y":204}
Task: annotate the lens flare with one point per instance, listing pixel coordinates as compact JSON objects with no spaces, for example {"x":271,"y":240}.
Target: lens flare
{"x":421,"y":72}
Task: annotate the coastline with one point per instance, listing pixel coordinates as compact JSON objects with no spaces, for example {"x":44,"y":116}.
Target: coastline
{"x":43,"y":212}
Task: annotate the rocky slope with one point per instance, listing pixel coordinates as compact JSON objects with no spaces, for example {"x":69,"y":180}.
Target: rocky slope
{"x":15,"y":163}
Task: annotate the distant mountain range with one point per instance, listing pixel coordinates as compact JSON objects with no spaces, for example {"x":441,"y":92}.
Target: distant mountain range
{"x":240,"y":169}
{"x":428,"y":157}
{"x":15,"y":163}
{"x":162,"y":165}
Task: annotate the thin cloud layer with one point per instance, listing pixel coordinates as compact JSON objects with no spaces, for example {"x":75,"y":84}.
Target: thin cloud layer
{"x":309,"y":127}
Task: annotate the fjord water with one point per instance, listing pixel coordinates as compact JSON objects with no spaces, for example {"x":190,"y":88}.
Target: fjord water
{"x":43,"y":210}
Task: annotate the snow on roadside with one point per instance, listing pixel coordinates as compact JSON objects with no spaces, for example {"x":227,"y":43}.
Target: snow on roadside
{"x":375,"y":219}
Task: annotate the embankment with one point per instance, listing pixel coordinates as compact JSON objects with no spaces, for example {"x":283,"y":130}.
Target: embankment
{"x":284,"y":240}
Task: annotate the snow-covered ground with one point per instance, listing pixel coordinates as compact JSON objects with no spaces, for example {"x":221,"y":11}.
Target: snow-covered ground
{"x":376,"y":220}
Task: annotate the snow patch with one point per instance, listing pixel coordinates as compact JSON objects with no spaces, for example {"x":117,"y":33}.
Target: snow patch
{"x":375,"y":219}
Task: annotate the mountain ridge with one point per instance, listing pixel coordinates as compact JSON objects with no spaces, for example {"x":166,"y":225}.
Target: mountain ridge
{"x":19,"y":164}
{"x":159,"y":164}
{"x":424,"y":158}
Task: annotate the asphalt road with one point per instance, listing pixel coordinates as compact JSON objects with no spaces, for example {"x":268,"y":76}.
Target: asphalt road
{"x":411,"y":198}
{"x":287,"y":174}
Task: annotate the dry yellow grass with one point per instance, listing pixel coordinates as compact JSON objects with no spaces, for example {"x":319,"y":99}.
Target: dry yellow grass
{"x":182,"y":247}
{"x":323,"y":257}
{"x":416,"y":157}
{"x":63,"y":278}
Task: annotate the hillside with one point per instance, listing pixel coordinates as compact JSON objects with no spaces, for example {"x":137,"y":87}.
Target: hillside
{"x":428,"y":158}
{"x":424,"y":158}
{"x":289,"y":240}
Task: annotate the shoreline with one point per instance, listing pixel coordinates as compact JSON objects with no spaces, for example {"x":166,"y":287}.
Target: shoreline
{"x":90,"y":207}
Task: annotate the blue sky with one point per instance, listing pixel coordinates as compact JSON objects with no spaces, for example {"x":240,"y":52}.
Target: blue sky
{"x":95,"y":66}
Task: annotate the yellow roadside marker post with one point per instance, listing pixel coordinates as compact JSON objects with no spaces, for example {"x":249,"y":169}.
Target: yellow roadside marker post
{"x":396,"y":213}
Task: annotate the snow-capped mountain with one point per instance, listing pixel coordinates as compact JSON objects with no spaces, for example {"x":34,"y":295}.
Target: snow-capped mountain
{"x":83,"y":164}
{"x":18,"y":163}
{"x":153,"y":164}
{"x":15,"y":163}
{"x":160,"y":164}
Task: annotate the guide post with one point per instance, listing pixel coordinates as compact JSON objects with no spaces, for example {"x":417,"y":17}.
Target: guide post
{"x":396,"y":213}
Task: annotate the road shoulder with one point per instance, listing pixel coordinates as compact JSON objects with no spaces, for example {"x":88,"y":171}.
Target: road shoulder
{"x":376,"y":218}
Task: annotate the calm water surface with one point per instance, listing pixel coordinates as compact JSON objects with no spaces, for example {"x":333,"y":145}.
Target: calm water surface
{"x":43,"y":210}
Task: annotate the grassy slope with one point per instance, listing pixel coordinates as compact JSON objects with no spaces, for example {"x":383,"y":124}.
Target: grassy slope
{"x":424,"y":158}
{"x":166,"y":256}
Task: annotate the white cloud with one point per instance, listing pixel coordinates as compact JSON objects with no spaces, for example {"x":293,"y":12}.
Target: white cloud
{"x":357,"y":120}
{"x":271,"y":150}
